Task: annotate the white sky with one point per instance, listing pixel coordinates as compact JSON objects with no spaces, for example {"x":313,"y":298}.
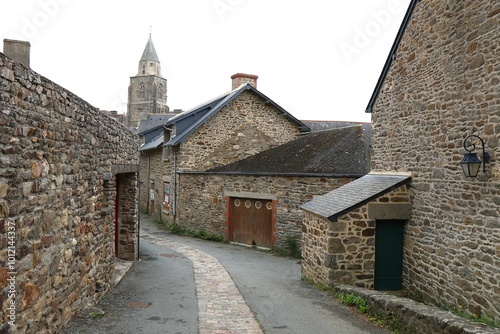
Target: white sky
{"x":318,"y":59}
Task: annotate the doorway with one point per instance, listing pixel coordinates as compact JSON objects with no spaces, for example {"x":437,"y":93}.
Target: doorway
{"x":251,"y":222}
{"x":389,"y":236}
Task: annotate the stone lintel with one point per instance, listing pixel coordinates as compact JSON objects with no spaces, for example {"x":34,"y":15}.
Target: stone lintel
{"x":121,"y":169}
{"x":245,"y":194}
{"x":386,"y":211}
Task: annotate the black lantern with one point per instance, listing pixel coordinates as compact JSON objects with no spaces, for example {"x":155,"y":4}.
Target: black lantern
{"x":471,"y":163}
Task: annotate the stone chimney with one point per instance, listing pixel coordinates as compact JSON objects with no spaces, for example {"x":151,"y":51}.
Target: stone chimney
{"x":242,"y":78}
{"x":17,"y":50}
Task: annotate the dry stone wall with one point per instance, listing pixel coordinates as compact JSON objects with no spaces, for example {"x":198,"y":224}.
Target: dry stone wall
{"x":154,"y":172}
{"x":443,"y":86}
{"x":56,"y":212}
{"x":202,"y":201}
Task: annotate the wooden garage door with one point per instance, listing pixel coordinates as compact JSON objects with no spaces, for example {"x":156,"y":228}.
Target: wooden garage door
{"x":250,"y":222}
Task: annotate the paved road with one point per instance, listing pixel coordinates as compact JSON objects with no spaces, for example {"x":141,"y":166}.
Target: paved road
{"x":185,"y":285}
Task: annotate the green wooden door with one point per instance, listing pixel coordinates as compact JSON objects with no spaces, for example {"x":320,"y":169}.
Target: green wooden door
{"x":389,"y":254}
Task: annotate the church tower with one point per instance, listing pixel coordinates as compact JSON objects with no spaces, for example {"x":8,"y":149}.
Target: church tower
{"x":147,"y":92}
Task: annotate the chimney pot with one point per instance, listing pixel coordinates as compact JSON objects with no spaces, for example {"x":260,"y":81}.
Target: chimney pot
{"x":242,"y":78}
{"x":17,"y":50}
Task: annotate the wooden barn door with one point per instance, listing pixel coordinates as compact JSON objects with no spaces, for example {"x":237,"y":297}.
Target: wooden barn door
{"x":251,"y":222}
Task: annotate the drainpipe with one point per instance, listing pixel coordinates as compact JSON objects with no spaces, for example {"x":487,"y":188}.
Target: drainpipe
{"x":148,"y":187}
{"x":174,"y":207}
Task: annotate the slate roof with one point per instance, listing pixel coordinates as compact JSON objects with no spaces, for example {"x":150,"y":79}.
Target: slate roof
{"x":151,"y":129}
{"x":329,"y":125}
{"x":354,"y":194}
{"x":189,"y":121}
{"x":153,"y":121}
{"x":150,"y":51}
{"x":338,"y":152}
{"x":154,"y":143}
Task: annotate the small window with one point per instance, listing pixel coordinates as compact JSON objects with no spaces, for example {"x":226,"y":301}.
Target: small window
{"x":142,"y":91}
{"x":160,"y":92}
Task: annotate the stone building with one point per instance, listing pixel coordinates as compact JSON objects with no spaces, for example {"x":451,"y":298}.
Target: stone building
{"x":229,"y":127}
{"x":147,"y":92}
{"x":68,"y":200}
{"x":256,"y":201}
{"x":438,"y":87}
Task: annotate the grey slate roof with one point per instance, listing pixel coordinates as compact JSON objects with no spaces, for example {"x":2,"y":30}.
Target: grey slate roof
{"x":154,"y":143}
{"x":354,"y":194}
{"x":339,"y":152}
{"x":329,"y":125}
{"x":153,"y":121}
{"x":150,"y":51}
{"x":189,"y":121}
{"x":151,"y":129}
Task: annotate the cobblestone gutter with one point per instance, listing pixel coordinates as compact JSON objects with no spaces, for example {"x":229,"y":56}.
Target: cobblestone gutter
{"x":423,"y":319}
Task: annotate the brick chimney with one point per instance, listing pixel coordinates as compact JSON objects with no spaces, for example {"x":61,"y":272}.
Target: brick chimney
{"x":242,"y":78}
{"x":17,"y":50}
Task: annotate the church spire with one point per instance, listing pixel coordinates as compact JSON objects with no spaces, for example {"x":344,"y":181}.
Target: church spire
{"x":147,"y":92}
{"x":150,"y":51}
{"x":149,"y":63}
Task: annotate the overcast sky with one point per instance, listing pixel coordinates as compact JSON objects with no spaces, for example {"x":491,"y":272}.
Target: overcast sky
{"x":318,"y":59}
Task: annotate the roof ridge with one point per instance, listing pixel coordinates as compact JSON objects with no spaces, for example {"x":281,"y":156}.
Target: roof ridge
{"x":198,"y":106}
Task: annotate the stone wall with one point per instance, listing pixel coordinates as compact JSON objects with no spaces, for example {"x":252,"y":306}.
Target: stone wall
{"x":244,"y":127}
{"x":157,"y":170}
{"x":128,"y":230}
{"x":418,"y":317}
{"x":343,"y":251}
{"x":56,"y":212}
{"x":202,"y":200}
{"x":442,"y":87}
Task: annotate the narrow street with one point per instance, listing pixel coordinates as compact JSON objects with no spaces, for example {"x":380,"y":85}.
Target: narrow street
{"x":185,"y":285}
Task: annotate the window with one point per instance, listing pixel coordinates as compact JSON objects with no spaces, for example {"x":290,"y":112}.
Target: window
{"x":142,"y":91}
{"x":160,"y":91}
{"x":166,"y":196}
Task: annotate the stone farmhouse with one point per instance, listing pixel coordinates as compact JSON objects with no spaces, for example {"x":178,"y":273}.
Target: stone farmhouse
{"x":68,"y":198}
{"x":182,"y":152}
{"x":417,"y":222}
{"x":230,"y":127}
{"x":256,"y":201}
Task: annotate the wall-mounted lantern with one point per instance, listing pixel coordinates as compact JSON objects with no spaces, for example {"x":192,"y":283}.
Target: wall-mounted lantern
{"x":471,"y":163}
